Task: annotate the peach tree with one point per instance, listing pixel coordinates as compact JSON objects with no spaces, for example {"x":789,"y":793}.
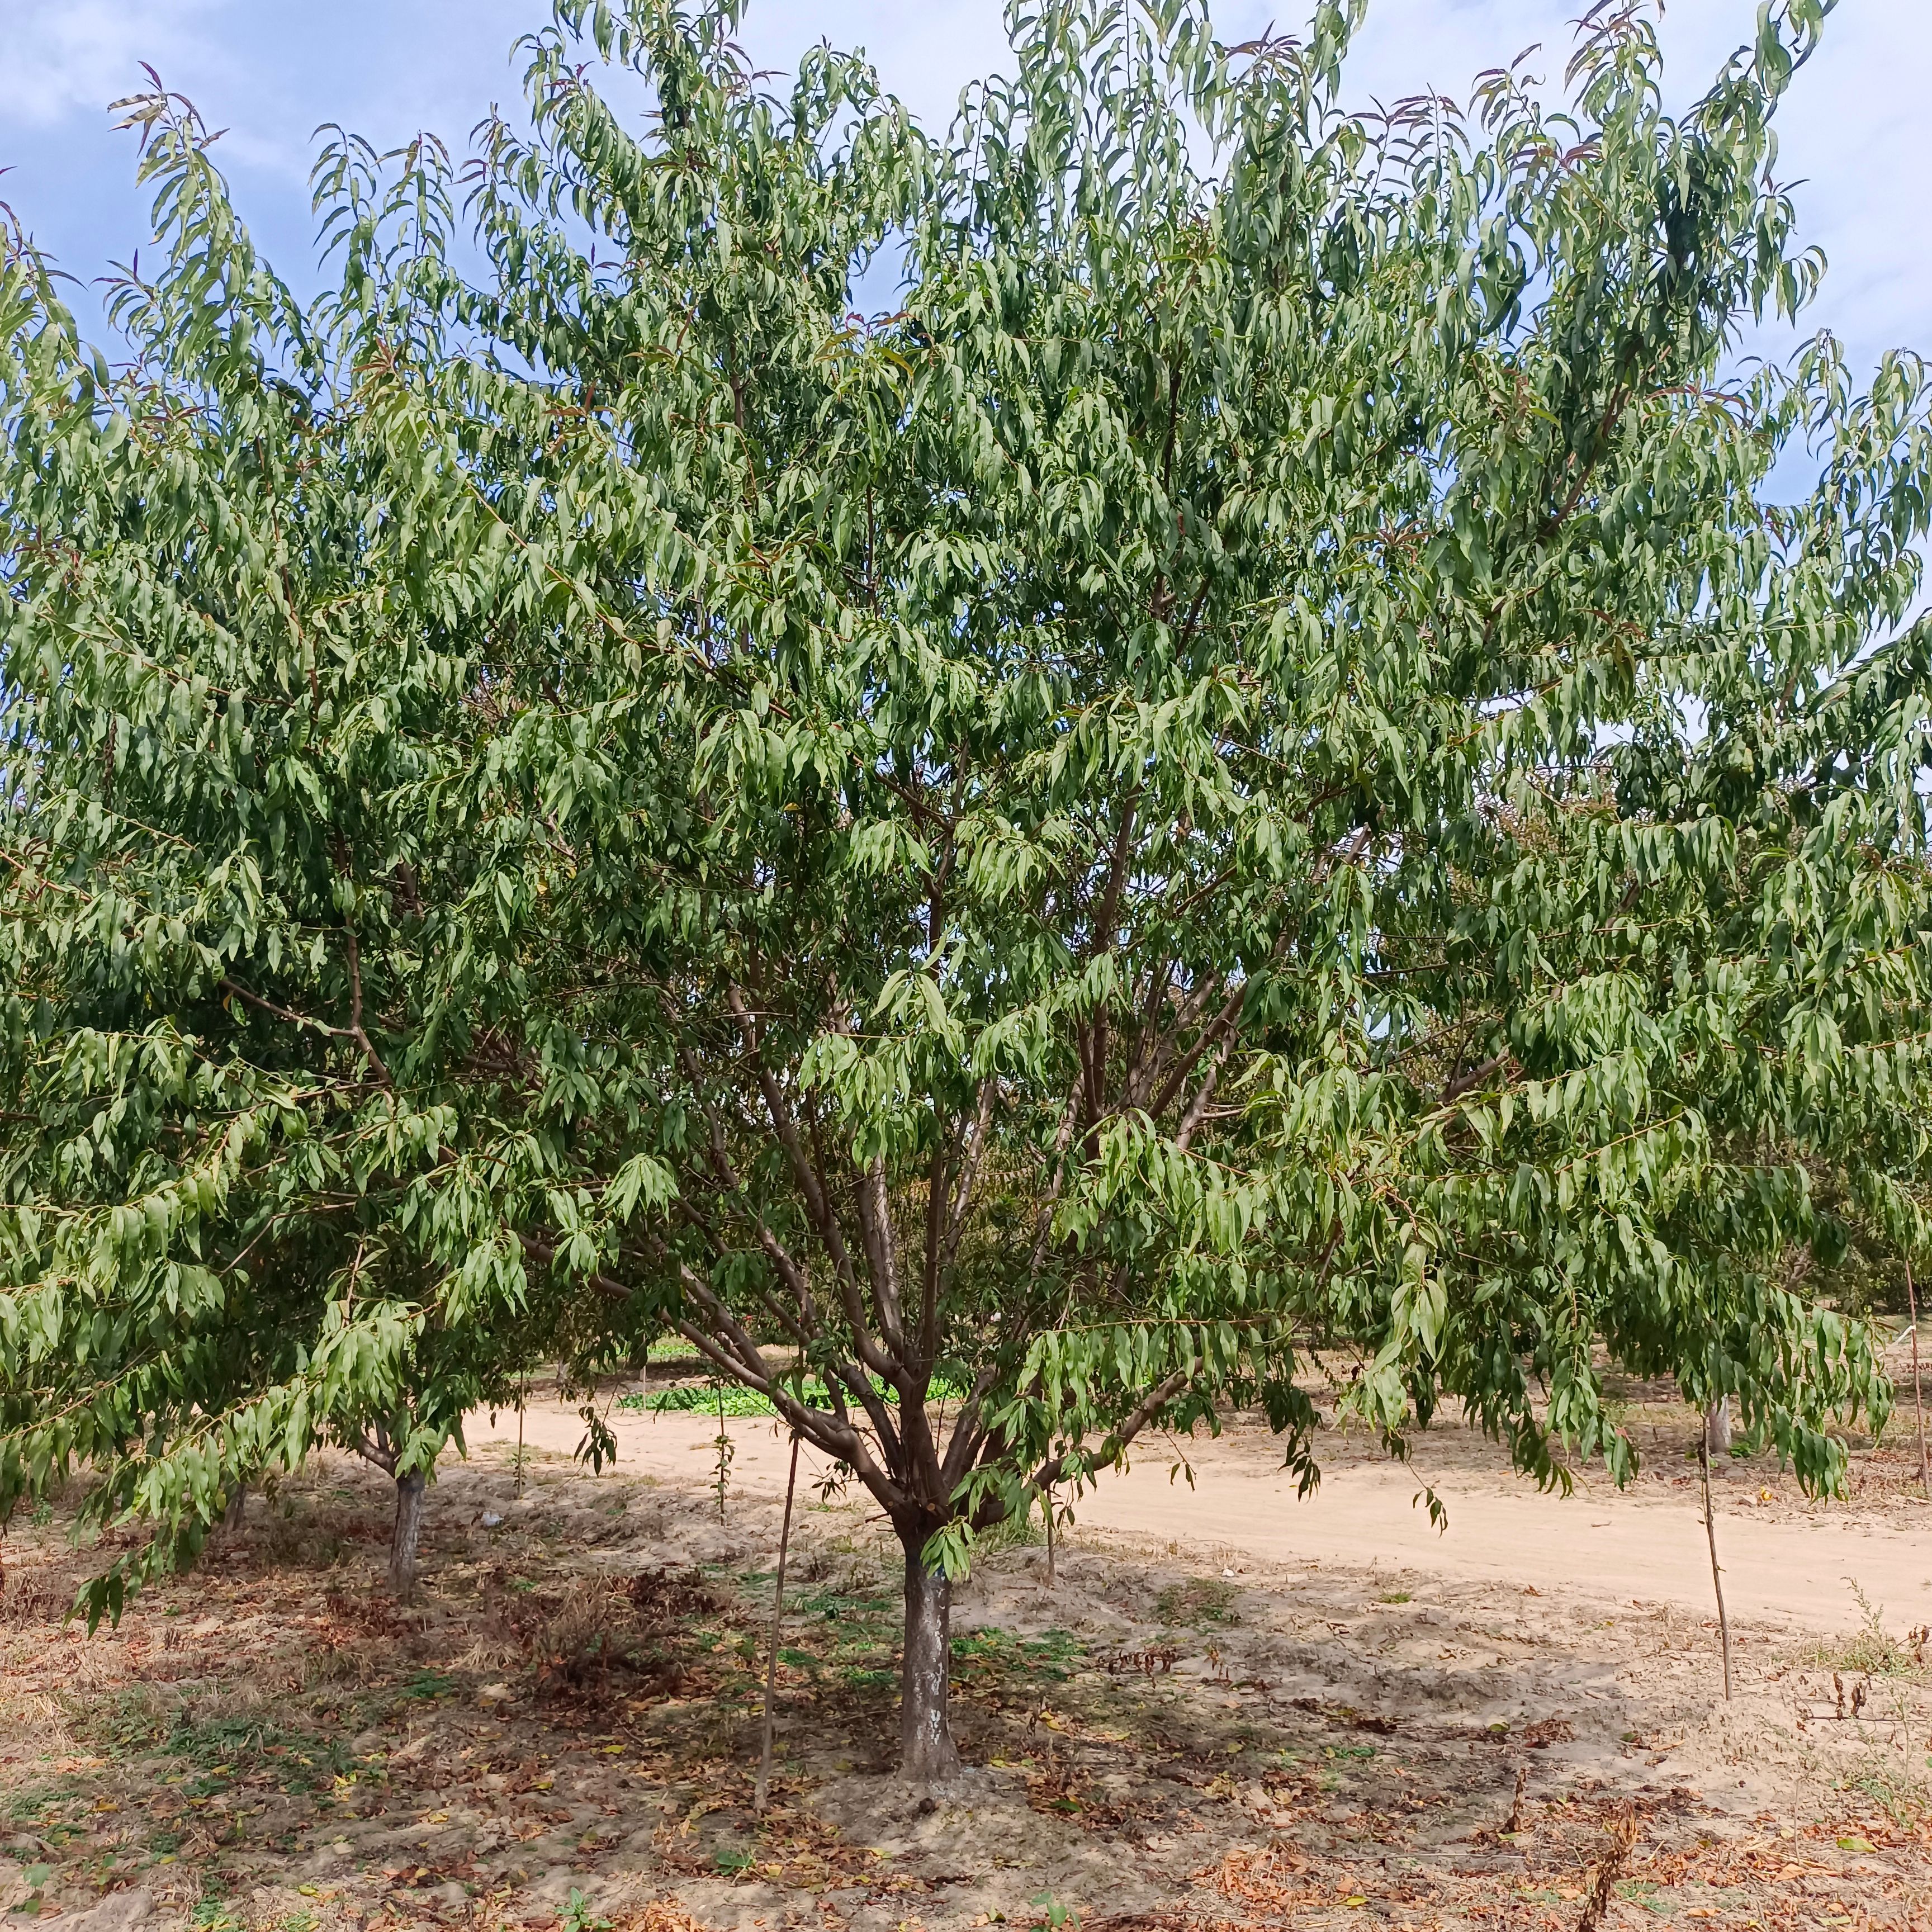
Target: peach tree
{"x":1263,"y":771}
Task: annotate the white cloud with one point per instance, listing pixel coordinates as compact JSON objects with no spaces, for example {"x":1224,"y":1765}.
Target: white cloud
{"x":69,"y":56}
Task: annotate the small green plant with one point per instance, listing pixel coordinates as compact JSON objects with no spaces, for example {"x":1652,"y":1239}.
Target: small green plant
{"x":211,"y":1915}
{"x":1393,"y":1597}
{"x":1055,"y":1915}
{"x":578,"y":1917}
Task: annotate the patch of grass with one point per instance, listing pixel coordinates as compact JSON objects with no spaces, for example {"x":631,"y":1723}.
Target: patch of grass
{"x":139,"y":1718}
{"x":693,"y":1398}
{"x":37,"y":1803}
{"x":1200,"y":1599}
{"x":217,"y":1751}
{"x":702,"y":1398}
{"x":1016,"y":1532}
{"x":1906,"y":1801}
{"x":1394,"y":1597}
{"x":991,"y":1654}
{"x":1873,"y":1651}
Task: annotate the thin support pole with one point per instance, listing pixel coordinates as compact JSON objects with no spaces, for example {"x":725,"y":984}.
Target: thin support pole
{"x":778,"y":1618}
{"x":1716,"y":1574}
{"x":1051,"y":1579}
{"x":522,"y":1396}
{"x":1918,"y":1393}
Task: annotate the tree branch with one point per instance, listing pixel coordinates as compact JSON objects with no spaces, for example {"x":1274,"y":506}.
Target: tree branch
{"x":969,"y":1174}
{"x":1462,"y":1083}
{"x":361,"y":1039}
{"x":1054,"y":1470}
{"x":241,"y":993}
{"x":818,"y":1203}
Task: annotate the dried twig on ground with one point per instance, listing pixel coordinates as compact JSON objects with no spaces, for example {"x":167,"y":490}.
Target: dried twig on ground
{"x":1622,"y":1831}
{"x":1513,"y":1823}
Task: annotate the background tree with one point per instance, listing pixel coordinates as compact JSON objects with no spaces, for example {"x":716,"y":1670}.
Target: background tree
{"x":227,"y":879}
{"x":1258,"y":763}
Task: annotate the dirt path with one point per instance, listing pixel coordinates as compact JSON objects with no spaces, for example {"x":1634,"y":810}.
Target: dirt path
{"x":1787,"y":1564}
{"x":1232,"y":1711}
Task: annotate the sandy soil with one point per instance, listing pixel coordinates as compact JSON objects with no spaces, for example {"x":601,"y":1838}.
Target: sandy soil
{"x":1787,"y":1562}
{"x":1231,"y":1709}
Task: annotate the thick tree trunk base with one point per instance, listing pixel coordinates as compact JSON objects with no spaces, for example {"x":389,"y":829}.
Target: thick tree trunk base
{"x":927,"y":1753}
{"x":235,"y":1511}
{"x":1717,"y":1426}
{"x":408,"y":1532}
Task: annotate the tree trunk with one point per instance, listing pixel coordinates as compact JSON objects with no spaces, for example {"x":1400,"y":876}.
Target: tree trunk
{"x":1717,"y":1426}
{"x":927,"y":1753}
{"x":408,"y":1527}
{"x":235,"y":1510}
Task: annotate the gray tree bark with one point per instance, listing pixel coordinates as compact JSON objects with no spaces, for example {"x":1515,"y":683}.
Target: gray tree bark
{"x":1717,"y":1426}
{"x":927,"y":1753}
{"x":408,"y":1531}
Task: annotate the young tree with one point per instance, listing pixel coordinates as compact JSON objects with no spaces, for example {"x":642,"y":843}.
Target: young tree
{"x":1257,"y":763}
{"x":226,"y":885}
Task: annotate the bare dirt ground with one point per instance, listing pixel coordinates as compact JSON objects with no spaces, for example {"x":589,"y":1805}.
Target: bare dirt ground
{"x":1231,"y":1709}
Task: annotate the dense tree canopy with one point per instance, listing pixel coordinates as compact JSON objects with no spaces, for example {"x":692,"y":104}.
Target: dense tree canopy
{"x":1263,"y":763}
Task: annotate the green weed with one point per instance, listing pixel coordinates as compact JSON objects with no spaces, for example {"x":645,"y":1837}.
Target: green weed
{"x":1200,"y":1599}
{"x":1872,"y":1650}
{"x":578,"y":1917}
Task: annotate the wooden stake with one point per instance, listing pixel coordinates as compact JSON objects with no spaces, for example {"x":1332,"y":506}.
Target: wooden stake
{"x":1918,"y":1393}
{"x":520,"y":1444}
{"x":1716,"y":1575}
{"x":1051,"y":1581}
{"x":778,"y":1618}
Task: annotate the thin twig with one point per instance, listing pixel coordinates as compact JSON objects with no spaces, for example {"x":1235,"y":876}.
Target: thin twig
{"x":778,"y":1618}
{"x":1716,"y":1574}
{"x":1918,"y":1393}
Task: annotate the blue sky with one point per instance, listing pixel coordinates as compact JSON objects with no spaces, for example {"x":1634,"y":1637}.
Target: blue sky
{"x":270,"y":71}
